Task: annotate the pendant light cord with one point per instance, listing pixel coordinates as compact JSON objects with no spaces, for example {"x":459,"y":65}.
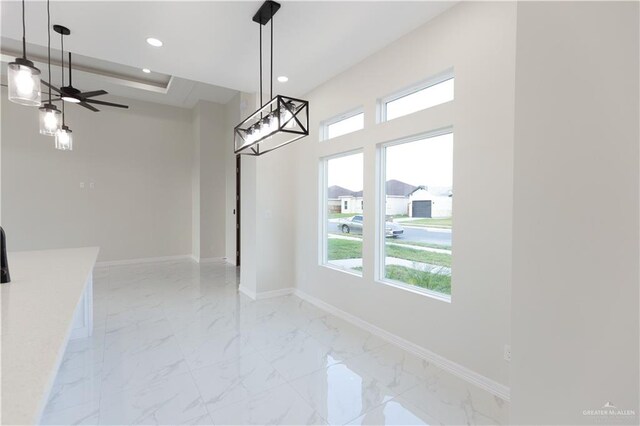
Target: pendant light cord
{"x":24,"y":31}
{"x":62,"y":66}
{"x":271,"y":74}
{"x":260,"y":25}
{"x":49,"y":46}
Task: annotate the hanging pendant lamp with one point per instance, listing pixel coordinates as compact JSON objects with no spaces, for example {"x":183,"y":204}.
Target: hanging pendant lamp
{"x":64,"y":138}
{"x":64,"y":135}
{"x":281,"y":120}
{"x":23,"y":77}
{"x":50,"y":115}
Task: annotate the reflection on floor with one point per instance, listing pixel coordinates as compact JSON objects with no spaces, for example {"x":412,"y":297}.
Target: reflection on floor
{"x":175,"y":343}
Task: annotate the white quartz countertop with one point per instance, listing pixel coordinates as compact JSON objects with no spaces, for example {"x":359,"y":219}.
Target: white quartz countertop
{"x":37,"y":314}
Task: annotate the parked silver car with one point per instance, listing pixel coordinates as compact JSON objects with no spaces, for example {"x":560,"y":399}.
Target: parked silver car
{"x":353,"y":225}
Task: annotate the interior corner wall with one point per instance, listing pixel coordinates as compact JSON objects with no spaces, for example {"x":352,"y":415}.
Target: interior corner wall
{"x":274,"y":220}
{"x":195,"y":185}
{"x":575,"y":298}
{"x":209,"y":166}
{"x":125,"y":187}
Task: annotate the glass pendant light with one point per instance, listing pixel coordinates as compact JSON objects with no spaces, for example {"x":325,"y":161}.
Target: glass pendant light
{"x":23,"y":77}
{"x":50,"y":120}
{"x":64,"y":139}
{"x":64,"y":136}
{"x":50,"y":116}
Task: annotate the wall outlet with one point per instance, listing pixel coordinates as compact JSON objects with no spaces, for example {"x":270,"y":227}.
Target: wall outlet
{"x":507,"y":353}
{"x":81,"y":185}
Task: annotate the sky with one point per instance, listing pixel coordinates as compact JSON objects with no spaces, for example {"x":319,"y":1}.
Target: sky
{"x":426,"y":162}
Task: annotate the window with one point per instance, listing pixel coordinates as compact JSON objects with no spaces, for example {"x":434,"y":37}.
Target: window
{"x":343,"y":124}
{"x":342,"y":229}
{"x":436,"y":92}
{"x":416,"y":214}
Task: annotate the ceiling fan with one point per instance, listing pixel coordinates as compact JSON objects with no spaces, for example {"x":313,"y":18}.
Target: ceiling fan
{"x":70,"y":93}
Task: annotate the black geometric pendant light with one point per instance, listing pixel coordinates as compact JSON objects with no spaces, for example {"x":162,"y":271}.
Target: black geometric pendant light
{"x":278,"y":122}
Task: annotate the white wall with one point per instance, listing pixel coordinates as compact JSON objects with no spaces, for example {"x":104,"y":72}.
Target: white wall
{"x":396,"y":205}
{"x":139,"y":161}
{"x":210,"y":180}
{"x":575,"y":267}
{"x":478,"y":41}
{"x":267,"y":224}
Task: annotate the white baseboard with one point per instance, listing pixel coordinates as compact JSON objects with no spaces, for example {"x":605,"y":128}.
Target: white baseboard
{"x":144,"y":260}
{"x":274,"y":293}
{"x":249,"y":293}
{"x":265,"y":294}
{"x":207,"y":259}
{"x":464,"y":373}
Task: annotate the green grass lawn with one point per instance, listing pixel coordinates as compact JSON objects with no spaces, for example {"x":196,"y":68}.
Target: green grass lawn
{"x":340,"y":215}
{"x":423,"y":256}
{"x":349,"y":249}
{"x":344,"y":249}
{"x":435,"y":282}
{"x":397,"y":216}
{"x":419,"y":244}
{"x":433,"y":223}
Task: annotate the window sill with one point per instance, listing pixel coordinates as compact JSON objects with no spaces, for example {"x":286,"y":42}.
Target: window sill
{"x":339,"y":269}
{"x":417,"y":290}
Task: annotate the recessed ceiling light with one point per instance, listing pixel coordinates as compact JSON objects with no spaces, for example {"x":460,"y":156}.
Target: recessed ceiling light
{"x":146,"y":70}
{"x":154,"y":42}
{"x":283,"y":79}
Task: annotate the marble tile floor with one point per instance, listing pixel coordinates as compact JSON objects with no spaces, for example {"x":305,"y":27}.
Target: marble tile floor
{"x":176,"y":343}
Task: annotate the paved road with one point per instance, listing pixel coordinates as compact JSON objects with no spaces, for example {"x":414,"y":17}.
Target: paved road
{"x":427,"y":236}
{"x":423,"y":235}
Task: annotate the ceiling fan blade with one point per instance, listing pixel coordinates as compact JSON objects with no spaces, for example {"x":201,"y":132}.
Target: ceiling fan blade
{"x":94,"y":93}
{"x":86,"y":105}
{"x":53,"y":87}
{"x":95,"y":101}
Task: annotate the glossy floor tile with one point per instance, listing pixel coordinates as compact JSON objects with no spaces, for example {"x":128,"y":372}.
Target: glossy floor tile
{"x":175,"y":343}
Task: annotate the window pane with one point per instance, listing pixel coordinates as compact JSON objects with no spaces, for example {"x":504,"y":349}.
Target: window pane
{"x":344,"y":213}
{"x":418,"y":202}
{"x":422,"y":99}
{"x":348,"y":125}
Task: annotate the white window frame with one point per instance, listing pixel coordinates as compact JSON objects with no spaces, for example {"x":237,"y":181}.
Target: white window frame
{"x":381,"y":215}
{"x":324,"y":125}
{"x":323,"y":183}
{"x":431,"y":81}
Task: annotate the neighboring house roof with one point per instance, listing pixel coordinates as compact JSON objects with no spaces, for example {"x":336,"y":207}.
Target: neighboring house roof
{"x":336,"y":191}
{"x":434,"y":190}
{"x":398,"y":188}
{"x":395,"y":188}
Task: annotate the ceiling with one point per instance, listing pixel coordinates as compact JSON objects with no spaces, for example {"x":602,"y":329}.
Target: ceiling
{"x":210,"y":48}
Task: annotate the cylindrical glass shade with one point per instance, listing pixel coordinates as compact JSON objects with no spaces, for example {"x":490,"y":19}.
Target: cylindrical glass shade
{"x":50,"y":120}
{"x":24,"y":83}
{"x":64,"y":139}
